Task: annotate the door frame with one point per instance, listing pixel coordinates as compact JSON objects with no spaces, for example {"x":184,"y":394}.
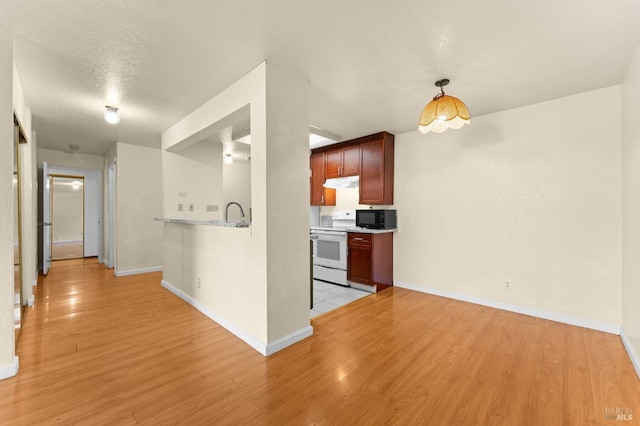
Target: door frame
{"x":52,"y":177}
{"x":98,"y":174}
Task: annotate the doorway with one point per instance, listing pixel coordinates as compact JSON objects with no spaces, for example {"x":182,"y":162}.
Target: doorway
{"x":67,"y":217}
{"x":87,"y":182}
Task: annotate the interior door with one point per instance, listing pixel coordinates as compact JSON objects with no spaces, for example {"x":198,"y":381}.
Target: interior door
{"x":46,"y":219}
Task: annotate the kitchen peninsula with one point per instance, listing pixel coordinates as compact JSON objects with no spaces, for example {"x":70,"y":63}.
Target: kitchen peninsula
{"x":246,"y":277}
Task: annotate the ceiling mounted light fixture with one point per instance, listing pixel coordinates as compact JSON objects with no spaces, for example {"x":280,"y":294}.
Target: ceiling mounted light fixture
{"x":443,"y":112}
{"x":111,"y":115}
{"x":228,"y":159}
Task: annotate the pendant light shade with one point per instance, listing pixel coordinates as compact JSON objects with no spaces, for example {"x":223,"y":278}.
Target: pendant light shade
{"x":111,"y":115}
{"x":443,"y":112}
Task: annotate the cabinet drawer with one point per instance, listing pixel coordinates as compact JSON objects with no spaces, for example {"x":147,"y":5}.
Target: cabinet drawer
{"x":360,"y":240}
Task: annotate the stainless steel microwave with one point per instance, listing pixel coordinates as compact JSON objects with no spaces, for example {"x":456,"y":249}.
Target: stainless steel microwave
{"x":376,"y":219}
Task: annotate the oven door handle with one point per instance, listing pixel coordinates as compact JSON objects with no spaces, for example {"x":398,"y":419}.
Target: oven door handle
{"x":333,"y":233}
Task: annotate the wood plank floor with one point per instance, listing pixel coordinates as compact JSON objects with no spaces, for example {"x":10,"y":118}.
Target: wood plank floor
{"x":97,"y":349}
{"x":67,"y":250}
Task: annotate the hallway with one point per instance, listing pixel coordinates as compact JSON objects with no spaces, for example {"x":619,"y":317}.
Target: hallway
{"x":96,"y":349}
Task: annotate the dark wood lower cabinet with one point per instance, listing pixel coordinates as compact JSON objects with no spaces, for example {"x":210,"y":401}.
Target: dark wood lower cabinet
{"x":370,"y":259}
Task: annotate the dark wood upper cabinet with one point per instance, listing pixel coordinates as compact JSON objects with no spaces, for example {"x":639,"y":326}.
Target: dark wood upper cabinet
{"x":376,"y":170}
{"x":320,"y":196}
{"x":371,"y":157}
{"x":343,"y":161}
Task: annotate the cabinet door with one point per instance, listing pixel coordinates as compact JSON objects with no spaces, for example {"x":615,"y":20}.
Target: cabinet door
{"x":372,"y":172}
{"x":333,"y":163}
{"x":359,"y":266}
{"x":320,"y":196}
{"x":350,"y":161}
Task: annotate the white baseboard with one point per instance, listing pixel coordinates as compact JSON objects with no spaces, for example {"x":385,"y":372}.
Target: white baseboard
{"x":138,"y":271}
{"x":31,"y":300}
{"x":66,"y":242}
{"x":10,"y":370}
{"x":552,"y":316}
{"x":635,"y":359}
{"x":250,"y":340}
{"x":289,"y":340}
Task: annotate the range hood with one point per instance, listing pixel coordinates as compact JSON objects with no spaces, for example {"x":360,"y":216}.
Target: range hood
{"x":342,"y":182}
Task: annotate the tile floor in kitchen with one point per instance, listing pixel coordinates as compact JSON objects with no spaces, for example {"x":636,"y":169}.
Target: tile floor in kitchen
{"x":327,"y":297}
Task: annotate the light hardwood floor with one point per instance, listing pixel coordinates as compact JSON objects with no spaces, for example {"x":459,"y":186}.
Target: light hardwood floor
{"x":102,"y":350}
{"x":67,"y":251}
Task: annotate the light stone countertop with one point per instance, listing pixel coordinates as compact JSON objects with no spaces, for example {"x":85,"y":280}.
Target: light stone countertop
{"x":205,"y":222}
{"x":371,"y":231}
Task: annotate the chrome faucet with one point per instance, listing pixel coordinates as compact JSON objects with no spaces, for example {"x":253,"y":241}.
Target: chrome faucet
{"x":226,"y":210}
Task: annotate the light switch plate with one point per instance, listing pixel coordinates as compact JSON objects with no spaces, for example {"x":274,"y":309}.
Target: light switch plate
{"x":180,"y":208}
{"x":191,"y":207}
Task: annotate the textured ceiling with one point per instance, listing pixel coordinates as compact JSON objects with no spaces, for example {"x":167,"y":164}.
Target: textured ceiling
{"x":371,"y":64}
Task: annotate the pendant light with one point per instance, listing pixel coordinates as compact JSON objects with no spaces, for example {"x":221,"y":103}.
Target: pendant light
{"x":111,"y":115}
{"x":443,"y":112}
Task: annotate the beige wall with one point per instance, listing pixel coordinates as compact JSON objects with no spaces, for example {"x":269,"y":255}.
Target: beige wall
{"x":68,"y":216}
{"x":8,"y":361}
{"x":109,"y":161}
{"x":232,"y":265}
{"x":287,"y":201}
{"x":531,"y":195}
{"x":346,"y":199}
{"x":75,"y":160}
{"x":254,"y":280}
{"x":28,"y":192}
{"x":139,"y":200}
{"x":236,"y":183}
{"x":631,"y":206}
{"x":193,"y":176}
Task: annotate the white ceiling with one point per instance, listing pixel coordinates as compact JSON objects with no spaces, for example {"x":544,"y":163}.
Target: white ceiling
{"x":371,"y":64}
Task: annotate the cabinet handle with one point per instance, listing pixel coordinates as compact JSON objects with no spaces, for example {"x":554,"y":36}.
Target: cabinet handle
{"x":323,"y":199}
{"x":358,"y":239}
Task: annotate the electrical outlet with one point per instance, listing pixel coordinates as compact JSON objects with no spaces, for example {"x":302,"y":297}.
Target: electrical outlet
{"x":198,"y":282}
{"x":212,"y":207}
{"x":180,"y":207}
{"x":191,"y":208}
{"x":508,"y":285}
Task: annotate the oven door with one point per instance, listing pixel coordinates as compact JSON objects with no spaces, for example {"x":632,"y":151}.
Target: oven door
{"x":330,"y":249}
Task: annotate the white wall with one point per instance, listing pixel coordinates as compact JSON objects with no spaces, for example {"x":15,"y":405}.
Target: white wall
{"x":139,"y":200}
{"x":8,"y":360}
{"x":531,"y":195}
{"x":631,"y":206}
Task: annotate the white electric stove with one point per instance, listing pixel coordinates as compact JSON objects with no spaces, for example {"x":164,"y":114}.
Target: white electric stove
{"x":330,"y":248}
